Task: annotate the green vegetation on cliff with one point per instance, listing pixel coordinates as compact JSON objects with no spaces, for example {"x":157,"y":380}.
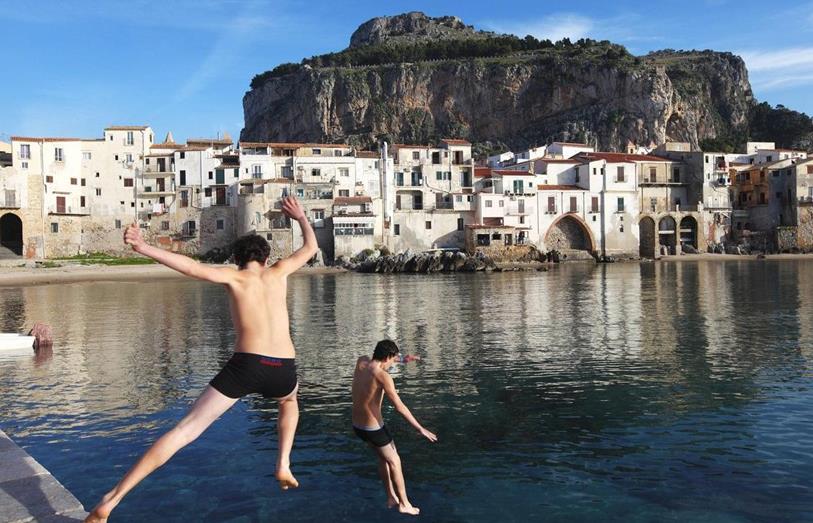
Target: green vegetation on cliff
{"x":497,"y":46}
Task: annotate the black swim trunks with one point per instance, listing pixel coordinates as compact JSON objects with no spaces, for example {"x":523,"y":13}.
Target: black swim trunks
{"x":378,"y":437}
{"x":247,"y":373}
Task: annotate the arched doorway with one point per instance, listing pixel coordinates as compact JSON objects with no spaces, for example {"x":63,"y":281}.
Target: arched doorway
{"x":688,"y":231}
{"x":569,"y":234}
{"x":11,"y":235}
{"x":647,"y":230}
{"x":667,"y":229}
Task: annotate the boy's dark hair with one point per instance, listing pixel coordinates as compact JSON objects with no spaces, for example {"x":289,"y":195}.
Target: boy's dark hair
{"x":384,"y":349}
{"x":250,"y":247}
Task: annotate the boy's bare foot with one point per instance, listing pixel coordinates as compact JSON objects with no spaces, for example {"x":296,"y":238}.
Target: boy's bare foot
{"x":409,"y":509}
{"x":286,"y":479}
{"x":102,"y":511}
{"x":393,"y":502}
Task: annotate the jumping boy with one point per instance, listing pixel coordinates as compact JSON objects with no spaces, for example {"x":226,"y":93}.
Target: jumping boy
{"x":263,"y":359}
{"x":370,"y":382}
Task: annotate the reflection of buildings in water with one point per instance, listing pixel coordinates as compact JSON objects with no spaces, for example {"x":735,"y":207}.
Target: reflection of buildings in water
{"x":804,"y":313}
{"x":123,"y":350}
{"x":12,"y":307}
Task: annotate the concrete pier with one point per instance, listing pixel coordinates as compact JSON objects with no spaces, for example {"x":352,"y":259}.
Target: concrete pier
{"x":28,"y":492}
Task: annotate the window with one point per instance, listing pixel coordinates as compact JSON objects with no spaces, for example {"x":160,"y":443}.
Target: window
{"x":130,"y":140}
{"x":770,"y":158}
{"x":428,"y":224}
{"x":220,"y":224}
{"x":183,"y":177}
{"x":317,"y":152}
{"x":397,"y":229}
{"x":207,"y":192}
{"x":594,"y":204}
{"x":98,"y":192}
{"x":502,"y":203}
{"x":189,"y":228}
{"x":460,"y":224}
{"x":236,"y":173}
{"x":211,"y":175}
{"x":97,"y":175}
{"x":86,"y":155}
{"x":111,"y":137}
{"x":653,"y":174}
{"x":458,"y":198}
{"x":344,"y":193}
{"x":184,"y":198}
{"x":620,"y":204}
{"x":344,"y":171}
{"x":573,"y":205}
{"x":551,"y":205}
{"x":25,"y":151}
{"x":58,"y":154}
{"x":24,"y":165}
{"x":653,"y":204}
{"x":183,"y":155}
{"x":117,"y":156}
{"x":522,"y":220}
{"x":165,"y":226}
{"x":81,"y":201}
{"x":488,"y":203}
{"x":337,"y":152}
{"x":257,"y":171}
{"x":118,"y":223}
{"x":83,"y":182}
{"x":435,"y":158}
{"x":128,"y":182}
{"x":620,"y":174}
{"x":128,"y":158}
{"x":49,"y":179}
{"x":439,"y":175}
{"x":677,"y":203}
{"x":316,"y":172}
{"x":54,"y":227}
{"x":676,"y":175}
{"x":74,"y":181}
{"x":318,"y":214}
{"x":416,"y":155}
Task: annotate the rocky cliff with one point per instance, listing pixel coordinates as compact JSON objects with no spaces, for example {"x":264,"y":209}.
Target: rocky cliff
{"x":496,"y":90}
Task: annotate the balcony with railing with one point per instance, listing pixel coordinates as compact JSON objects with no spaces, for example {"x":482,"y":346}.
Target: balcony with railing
{"x":69,"y":210}
{"x":353,"y":231}
{"x":159,"y":170}
{"x":805,"y":200}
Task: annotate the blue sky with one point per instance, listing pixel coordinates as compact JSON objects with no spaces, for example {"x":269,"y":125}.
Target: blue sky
{"x":73,"y":68}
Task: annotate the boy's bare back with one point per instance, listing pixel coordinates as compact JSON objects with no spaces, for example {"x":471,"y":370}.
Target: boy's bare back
{"x":368,"y":394}
{"x":260,"y":313}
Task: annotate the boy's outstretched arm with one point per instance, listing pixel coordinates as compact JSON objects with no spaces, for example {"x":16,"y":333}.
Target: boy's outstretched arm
{"x":392,"y":394}
{"x":182,"y":264}
{"x":293,"y":210}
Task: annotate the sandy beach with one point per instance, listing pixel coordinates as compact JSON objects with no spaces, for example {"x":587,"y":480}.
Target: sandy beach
{"x":23,"y":276}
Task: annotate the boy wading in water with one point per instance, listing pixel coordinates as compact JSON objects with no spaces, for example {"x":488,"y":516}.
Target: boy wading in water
{"x":370,"y":382}
{"x":263,"y":360}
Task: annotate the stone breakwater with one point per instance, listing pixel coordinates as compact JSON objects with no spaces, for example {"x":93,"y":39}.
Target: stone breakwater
{"x":436,"y":261}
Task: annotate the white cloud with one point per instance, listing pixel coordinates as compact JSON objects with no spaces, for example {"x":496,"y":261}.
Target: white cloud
{"x":779,"y":68}
{"x":781,"y":59}
{"x":552,"y":27}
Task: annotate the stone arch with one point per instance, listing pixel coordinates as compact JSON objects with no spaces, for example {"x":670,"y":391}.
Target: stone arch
{"x":688,"y":231}
{"x":11,"y":235}
{"x":569,"y":233}
{"x":667,"y":230}
{"x":648,"y":237}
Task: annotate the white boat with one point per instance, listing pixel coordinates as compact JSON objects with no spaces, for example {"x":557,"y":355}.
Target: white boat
{"x":12,"y":342}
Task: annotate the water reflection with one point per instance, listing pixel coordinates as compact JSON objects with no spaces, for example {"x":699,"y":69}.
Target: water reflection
{"x":626,"y":391}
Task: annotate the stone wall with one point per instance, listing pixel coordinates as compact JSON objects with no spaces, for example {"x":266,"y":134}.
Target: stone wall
{"x":567,"y":235}
{"x":786,"y":240}
{"x":804,"y":231}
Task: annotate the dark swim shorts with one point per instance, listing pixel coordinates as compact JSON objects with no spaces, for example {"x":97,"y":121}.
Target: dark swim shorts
{"x":379,"y":437}
{"x":247,"y":373}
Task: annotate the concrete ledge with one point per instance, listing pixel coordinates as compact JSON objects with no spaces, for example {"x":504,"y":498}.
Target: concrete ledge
{"x":28,"y":492}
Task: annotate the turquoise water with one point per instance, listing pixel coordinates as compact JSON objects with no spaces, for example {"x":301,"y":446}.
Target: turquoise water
{"x":626,"y":392}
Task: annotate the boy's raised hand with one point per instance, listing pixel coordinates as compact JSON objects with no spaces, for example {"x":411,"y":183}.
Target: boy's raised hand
{"x":133,"y":238}
{"x":292,"y":208}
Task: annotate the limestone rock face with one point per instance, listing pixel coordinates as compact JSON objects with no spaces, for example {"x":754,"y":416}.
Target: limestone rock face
{"x":515,"y":101}
{"x":410,"y":27}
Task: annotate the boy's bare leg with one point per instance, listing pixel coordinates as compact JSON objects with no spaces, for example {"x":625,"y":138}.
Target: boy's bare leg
{"x":384,"y":473}
{"x":208,"y":407}
{"x":286,"y":427}
{"x":390,"y":455}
